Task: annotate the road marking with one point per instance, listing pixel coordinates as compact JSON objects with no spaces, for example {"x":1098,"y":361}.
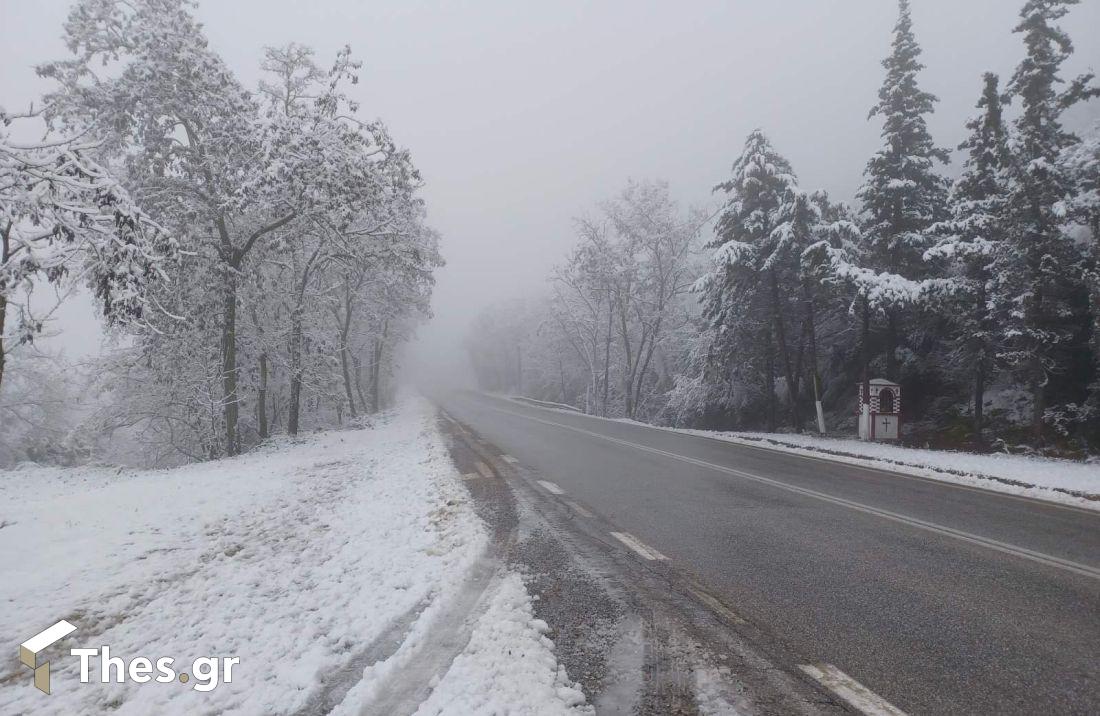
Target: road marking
{"x":1022,"y":552}
{"x":839,"y":461}
{"x":484,"y":469}
{"x":471,"y":476}
{"x":509,"y":458}
{"x":847,"y":688}
{"x":635,"y":544}
{"x":580,"y":510}
{"x":717,"y":606}
{"x":551,"y":487}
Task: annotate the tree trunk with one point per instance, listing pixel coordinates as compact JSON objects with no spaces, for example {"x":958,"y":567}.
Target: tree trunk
{"x":346,"y":370}
{"x":376,"y":377}
{"x":359,"y":382}
{"x":4,"y":256}
{"x":784,"y":353}
{"x":344,"y":330}
{"x":261,"y":398}
{"x":296,"y":339}
{"x":815,"y":376}
{"x":607,"y":356}
{"x":230,"y":399}
{"x":561,"y":373}
{"x":376,"y":367}
{"x":294,"y":408}
{"x":1038,"y":397}
{"x":3,"y":319}
{"x":979,"y":399}
{"x":769,"y":379}
{"x":630,"y":364}
{"x":892,"y":344}
{"x":519,"y":370}
{"x":865,"y":357}
{"x":261,"y":392}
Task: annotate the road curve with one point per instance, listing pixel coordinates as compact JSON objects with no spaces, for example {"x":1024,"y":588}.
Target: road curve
{"x":939,"y":598}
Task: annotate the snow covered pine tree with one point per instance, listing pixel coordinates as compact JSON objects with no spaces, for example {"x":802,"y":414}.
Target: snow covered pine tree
{"x":969,"y":242}
{"x":1038,"y":293}
{"x":903,"y":195}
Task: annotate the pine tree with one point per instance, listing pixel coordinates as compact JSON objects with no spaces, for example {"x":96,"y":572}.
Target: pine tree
{"x":757,"y":248}
{"x":903,"y":194}
{"x":969,"y":241}
{"x":1083,"y":162}
{"x":1038,"y":274}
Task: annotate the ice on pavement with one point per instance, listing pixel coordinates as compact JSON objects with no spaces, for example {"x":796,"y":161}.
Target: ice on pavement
{"x":291,"y":558}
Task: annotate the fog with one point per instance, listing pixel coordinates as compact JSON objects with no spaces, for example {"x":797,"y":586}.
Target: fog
{"x":523,"y":115}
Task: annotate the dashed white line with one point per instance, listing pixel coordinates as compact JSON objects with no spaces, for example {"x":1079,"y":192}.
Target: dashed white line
{"x":484,"y":470}
{"x":551,"y":487}
{"x":847,"y":688}
{"x":580,"y":510}
{"x":635,"y":544}
{"x":471,"y":476}
{"x":509,"y":458}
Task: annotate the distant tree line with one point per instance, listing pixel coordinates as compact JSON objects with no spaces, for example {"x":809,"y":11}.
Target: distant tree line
{"x":980,"y":296}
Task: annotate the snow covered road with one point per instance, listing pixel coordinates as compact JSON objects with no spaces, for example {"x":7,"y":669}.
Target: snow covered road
{"x":315,"y":562}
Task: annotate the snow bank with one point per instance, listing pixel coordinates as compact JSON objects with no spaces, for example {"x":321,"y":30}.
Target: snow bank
{"x":1065,"y":481}
{"x":508,"y":666}
{"x":291,"y":558}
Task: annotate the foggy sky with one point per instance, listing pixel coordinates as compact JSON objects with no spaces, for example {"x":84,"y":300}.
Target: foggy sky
{"x":522,"y":115}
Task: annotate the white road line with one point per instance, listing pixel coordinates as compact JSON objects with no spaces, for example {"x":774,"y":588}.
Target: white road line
{"x":635,"y":544}
{"x":716,"y":606}
{"x":1022,"y":552}
{"x":838,"y":460}
{"x":551,"y":487}
{"x":509,"y":458}
{"x":471,"y":476}
{"x":580,"y":510}
{"x":850,"y":690}
{"x":484,"y":469}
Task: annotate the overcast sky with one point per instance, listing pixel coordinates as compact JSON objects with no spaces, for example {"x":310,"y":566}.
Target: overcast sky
{"x":522,"y":115}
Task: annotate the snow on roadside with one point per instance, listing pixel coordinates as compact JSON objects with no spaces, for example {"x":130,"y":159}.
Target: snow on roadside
{"x":291,"y":558}
{"x":508,"y":666}
{"x":1064,"y":481}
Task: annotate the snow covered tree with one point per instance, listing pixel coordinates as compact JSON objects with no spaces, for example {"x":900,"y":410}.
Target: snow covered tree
{"x":969,"y":241}
{"x":65,"y":220}
{"x":753,"y":294}
{"x":1083,"y":163}
{"x":1038,"y":275}
{"x":903,"y":194}
{"x":584,"y":312}
{"x":652,"y":241}
{"x":601,"y":338}
{"x":188,"y":133}
{"x":273,"y":194}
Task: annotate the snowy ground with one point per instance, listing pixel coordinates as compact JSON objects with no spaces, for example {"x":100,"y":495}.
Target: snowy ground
{"x":304,"y":560}
{"x":1065,"y":481}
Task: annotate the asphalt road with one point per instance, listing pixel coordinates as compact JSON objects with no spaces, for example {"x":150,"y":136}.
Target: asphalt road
{"x":939,"y":598}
